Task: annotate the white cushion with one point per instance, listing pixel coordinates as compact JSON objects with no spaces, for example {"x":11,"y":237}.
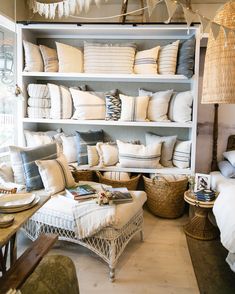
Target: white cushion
{"x":134,"y":108}
{"x":17,"y":164}
{"x":34,"y":139}
{"x":168,"y":59}
{"x":139,"y":156}
{"x":117,"y":176}
{"x":146,"y":61}
{"x":33,"y":57}
{"x":108,"y":153}
{"x":181,"y":154}
{"x":87,"y":105}
{"x":61,"y":102}
{"x":38,"y":91}
{"x":158,"y":104}
{"x":230,"y":156}
{"x":69,"y":147}
{"x":93,"y":156}
{"x":70,"y":58}
{"x":180,"y":109}
{"x":50,"y":59}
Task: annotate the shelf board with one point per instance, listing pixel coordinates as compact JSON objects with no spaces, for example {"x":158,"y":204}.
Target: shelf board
{"x":108,"y":77}
{"x":109,"y":123}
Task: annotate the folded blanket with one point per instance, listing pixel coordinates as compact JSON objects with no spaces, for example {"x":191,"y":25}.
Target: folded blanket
{"x":38,"y":112}
{"x":38,"y":90}
{"x":39,"y":102}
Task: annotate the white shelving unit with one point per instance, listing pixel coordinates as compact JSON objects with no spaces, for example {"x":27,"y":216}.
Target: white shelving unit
{"x":145,"y":36}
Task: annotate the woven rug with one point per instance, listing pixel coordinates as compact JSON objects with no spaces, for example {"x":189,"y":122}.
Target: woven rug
{"x":212,"y":272}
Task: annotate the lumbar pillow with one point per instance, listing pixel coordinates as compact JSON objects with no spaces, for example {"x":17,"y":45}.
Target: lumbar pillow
{"x":38,"y":91}
{"x":168,"y":143}
{"x":230,"y":156}
{"x":34,"y":139}
{"x":108,"y":153}
{"x":109,"y":58}
{"x":69,"y":147}
{"x":117,"y":176}
{"x":93,"y":156}
{"x":181,"y":154}
{"x":84,"y":139}
{"x":226,"y":169}
{"x":32,"y":176}
{"x":50,"y":59}
{"x":33,"y":57}
{"x":168,"y":58}
{"x":186,"y":58}
{"x":113,"y":107}
{"x":61,"y":102}
{"x":70,"y":58}
{"x":55,"y":174}
{"x":158,"y":104}
{"x":180,"y":109}
{"x":146,"y":61}
{"x":134,"y":108}
{"x":139,"y":156}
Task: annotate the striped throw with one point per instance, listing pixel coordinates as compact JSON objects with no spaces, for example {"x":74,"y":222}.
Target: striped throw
{"x":38,"y":91}
{"x":109,"y":58}
{"x":117,"y":176}
{"x":146,"y":61}
{"x":38,"y":112}
{"x":113,"y":107}
{"x":168,"y":59}
{"x":181,"y":154}
{"x":39,"y":102}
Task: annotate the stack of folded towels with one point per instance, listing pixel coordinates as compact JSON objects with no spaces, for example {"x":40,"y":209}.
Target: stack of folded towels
{"x":39,"y":102}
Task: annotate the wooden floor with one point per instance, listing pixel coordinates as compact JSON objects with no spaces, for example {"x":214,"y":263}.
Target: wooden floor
{"x":160,"y":264}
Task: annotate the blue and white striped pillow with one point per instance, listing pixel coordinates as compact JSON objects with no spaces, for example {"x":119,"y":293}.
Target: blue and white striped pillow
{"x":181,"y":154}
{"x":113,"y":107}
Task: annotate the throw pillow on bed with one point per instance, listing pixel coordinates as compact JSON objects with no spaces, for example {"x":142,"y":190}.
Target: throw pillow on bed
{"x":230,"y":156}
{"x":226,"y":169}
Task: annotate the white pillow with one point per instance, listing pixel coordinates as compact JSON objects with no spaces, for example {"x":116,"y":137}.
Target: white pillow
{"x":87,"y":105}
{"x":93,"y":156}
{"x":117,"y":176}
{"x":181,"y":154}
{"x":168,"y":58}
{"x":38,"y":91}
{"x":55,"y":174}
{"x":61,"y":102}
{"x":50,"y":59}
{"x":134,"y":108}
{"x":33,"y":57}
{"x":158,"y":104}
{"x":34,"y":139}
{"x":180,"y":109}
{"x":230,"y":156}
{"x":69,"y":147}
{"x":146,"y":61}
{"x":70,"y":58}
{"x":139,"y":156}
{"x":108,"y":153}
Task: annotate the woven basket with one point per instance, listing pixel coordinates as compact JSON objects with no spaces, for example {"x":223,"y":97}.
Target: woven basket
{"x":165,"y":199}
{"x":8,"y":191}
{"x":82,"y":175}
{"x":129,"y":184}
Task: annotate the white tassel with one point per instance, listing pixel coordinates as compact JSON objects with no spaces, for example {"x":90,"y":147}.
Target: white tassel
{"x":60,"y":9}
{"x":66,"y":8}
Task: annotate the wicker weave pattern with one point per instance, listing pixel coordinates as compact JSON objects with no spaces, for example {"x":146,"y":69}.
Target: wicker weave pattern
{"x":130,"y":184}
{"x":165,"y":199}
{"x":82,"y":175}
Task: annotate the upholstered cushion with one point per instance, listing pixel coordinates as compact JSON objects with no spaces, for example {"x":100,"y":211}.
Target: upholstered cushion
{"x":55,"y":174}
{"x":113,"y":107}
{"x":39,"y":102}
{"x":34,"y":139}
{"x":70,"y":58}
{"x":168,"y":58}
{"x":146,"y":61}
{"x":108,"y":153}
{"x":181,"y":154}
{"x":230,"y":156}
{"x":109,"y":58}
{"x":180,"y":109}
{"x":186,"y":58}
{"x":69,"y":147}
{"x":134,"y":108}
{"x":117,"y":176}
{"x":226,"y":169}
{"x":38,"y":112}
{"x":84,"y":139}
{"x":38,"y":91}
{"x":50,"y":59}
{"x":158,"y":104}
{"x":33,"y":57}
{"x":61,"y":102}
{"x":168,"y":143}
{"x":93,"y":156}
{"x":32,"y":176}
{"x":139,"y":156}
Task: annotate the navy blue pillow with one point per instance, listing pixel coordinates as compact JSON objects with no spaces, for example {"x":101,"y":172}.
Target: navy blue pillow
{"x":186,"y":58}
{"x":87,"y":138}
{"x":32,"y":177}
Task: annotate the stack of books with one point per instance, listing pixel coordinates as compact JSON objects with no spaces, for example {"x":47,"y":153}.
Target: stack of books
{"x":205,"y":195}
{"x":81,"y":192}
{"x":120,"y":195}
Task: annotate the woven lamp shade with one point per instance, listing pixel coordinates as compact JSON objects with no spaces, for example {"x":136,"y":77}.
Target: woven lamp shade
{"x":219,"y":72}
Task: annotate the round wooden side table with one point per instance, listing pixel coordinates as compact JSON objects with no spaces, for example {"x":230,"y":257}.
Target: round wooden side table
{"x":199,"y":226}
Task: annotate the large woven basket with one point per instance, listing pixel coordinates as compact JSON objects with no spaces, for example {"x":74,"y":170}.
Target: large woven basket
{"x":82,"y":175}
{"x":129,"y":184}
{"x":165,"y":199}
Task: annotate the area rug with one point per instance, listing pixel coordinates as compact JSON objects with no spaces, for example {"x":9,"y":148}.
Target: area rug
{"x":212,"y":272}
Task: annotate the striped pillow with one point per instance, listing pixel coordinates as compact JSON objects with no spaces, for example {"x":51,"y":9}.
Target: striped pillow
{"x":168,"y":59}
{"x":134,"y":108}
{"x":69,"y":147}
{"x":146,"y":61}
{"x":38,"y":91}
{"x":139,"y":156}
{"x":117,"y":176}
{"x":180,"y":108}
{"x":39,"y":102}
{"x":113,"y":107}
{"x":50,"y":59}
{"x":181,"y":154}
{"x":38,"y":112}
{"x":109,"y":58}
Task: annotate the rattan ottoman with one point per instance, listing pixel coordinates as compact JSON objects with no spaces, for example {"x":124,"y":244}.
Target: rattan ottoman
{"x":56,"y":216}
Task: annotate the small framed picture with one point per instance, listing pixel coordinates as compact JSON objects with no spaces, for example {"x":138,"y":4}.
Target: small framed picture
{"x":202,"y":181}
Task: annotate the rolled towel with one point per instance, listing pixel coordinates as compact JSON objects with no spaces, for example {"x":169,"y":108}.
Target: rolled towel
{"x":39,"y":102}
{"x":38,"y":112}
{"x":38,"y":91}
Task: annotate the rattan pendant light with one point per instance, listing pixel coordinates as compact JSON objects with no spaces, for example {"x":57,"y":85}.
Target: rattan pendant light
{"x":219,"y":70}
